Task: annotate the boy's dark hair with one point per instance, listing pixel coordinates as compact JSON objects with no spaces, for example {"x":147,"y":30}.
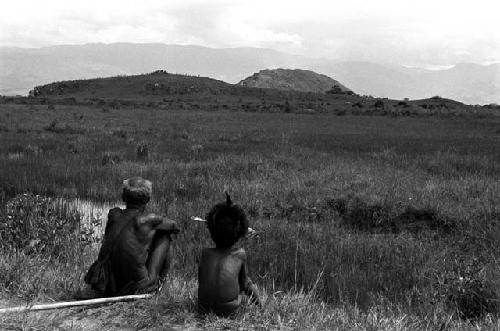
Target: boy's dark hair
{"x":227,"y":223}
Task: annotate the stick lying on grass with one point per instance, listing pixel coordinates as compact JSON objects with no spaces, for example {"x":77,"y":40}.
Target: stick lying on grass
{"x":251,"y":232}
{"x":66,"y":304}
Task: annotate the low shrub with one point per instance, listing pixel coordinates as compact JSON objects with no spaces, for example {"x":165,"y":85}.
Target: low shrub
{"x":378,"y":217}
{"x":120,"y":133}
{"x":34,"y":224}
{"x":180,"y":136}
{"x":55,"y":127}
{"x":110,"y":158}
{"x":142,"y":152}
{"x":468,"y":290}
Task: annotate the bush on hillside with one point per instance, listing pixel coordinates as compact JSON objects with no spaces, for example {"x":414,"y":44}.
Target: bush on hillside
{"x":379,"y":104}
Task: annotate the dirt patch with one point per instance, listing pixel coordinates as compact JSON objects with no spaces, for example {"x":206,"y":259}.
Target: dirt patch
{"x":99,"y":318}
{"x":414,"y":219}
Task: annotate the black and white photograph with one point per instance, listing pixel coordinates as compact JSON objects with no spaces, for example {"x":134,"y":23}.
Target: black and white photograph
{"x":250,"y":165}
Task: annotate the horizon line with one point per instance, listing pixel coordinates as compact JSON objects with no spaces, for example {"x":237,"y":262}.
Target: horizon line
{"x":430,"y":67}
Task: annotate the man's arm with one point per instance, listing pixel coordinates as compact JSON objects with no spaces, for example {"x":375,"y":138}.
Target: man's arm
{"x":168,"y":225}
{"x":156,"y":222}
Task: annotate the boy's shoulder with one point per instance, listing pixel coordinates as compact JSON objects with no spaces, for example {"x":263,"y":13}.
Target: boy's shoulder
{"x":236,"y":252}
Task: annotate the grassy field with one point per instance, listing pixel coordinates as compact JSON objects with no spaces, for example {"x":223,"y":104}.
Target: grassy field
{"x":367,"y":222}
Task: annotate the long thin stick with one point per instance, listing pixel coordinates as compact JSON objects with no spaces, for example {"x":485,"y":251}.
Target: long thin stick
{"x":66,"y":304}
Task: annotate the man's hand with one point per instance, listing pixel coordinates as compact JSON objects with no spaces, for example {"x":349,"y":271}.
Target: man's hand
{"x":156,"y":222}
{"x":169,"y":225}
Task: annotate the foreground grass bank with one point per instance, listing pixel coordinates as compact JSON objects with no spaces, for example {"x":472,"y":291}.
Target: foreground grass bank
{"x":364,"y":220}
{"x":174,"y":308}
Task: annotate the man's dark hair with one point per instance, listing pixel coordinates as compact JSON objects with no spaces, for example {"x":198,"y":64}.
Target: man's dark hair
{"x":227,"y":223}
{"x":134,"y":198}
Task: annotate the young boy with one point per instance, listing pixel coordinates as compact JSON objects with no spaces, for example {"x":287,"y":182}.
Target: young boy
{"x":222,"y":273}
{"x":134,"y":254}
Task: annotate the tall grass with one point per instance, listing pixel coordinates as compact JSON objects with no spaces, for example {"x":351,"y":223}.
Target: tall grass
{"x":285,"y":170}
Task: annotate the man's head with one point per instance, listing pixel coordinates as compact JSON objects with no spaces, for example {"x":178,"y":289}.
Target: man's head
{"x":136,"y":191}
{"x":227,"y":223}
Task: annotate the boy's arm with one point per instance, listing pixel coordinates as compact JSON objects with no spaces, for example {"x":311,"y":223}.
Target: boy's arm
{"x":200,"y":274}
{"x":246,"y":284}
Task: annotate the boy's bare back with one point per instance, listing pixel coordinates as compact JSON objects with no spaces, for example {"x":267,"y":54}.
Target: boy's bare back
{"x":222,"y":275}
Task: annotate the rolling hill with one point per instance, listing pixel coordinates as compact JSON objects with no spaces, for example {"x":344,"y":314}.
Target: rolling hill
{"x":21,"y":69}
{"x":163,"y":90}
{"x":294,"y":79}
{"x":157,"y":83}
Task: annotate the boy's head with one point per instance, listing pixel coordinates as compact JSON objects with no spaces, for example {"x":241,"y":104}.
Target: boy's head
{"x":227,"y":223}
{"x":136,"y":191}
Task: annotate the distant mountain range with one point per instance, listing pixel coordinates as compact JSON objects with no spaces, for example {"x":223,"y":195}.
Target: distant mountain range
{"x":21,"y":69}
{"x":294,"y":79}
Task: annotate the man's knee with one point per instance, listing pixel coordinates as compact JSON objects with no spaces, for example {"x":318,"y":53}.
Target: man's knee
{"x":161,"y":240}
{"x":159,"y":256}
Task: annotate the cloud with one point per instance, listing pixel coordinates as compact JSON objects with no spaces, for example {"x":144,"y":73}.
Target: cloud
{"x":426,"y":32}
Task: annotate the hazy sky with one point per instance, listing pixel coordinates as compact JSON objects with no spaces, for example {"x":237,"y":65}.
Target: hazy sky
{"x":410,"y":32}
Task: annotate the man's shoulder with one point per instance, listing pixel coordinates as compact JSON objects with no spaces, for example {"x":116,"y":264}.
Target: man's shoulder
{"x":120,"y":216}
{"x":118,"y":212}
{"x":115,"y":211}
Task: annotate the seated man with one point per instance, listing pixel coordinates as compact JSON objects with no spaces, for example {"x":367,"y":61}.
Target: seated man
{"x":134,"y":254}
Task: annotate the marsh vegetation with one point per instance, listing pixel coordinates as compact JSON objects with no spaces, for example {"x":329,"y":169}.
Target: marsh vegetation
{"x":368,"y":222}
